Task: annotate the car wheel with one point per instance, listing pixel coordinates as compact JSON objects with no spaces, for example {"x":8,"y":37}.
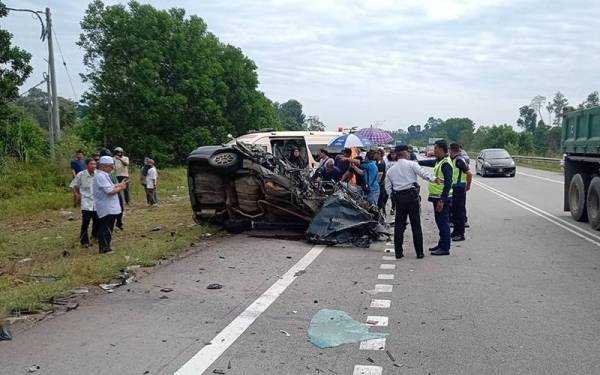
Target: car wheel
{"x":577,"y":197}
{"x":224,"y":162}
{"x":593,"y":203}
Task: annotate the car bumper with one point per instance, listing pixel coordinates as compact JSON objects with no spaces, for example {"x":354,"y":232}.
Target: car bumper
{"x":500,"y":170}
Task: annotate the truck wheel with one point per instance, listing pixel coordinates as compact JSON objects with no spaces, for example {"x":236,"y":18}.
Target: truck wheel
{"x":593,"y":203}
{"x":577,"y":197}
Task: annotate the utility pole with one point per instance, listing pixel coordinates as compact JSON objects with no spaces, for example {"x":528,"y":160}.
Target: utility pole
{"x":50,"y":128}
{"x":52,"y":71}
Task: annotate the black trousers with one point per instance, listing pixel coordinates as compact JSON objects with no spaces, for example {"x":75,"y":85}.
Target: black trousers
{"x":105,"y":229}
{"x":383,"y":198}
{"x":407,"y":204}
{"x":126,"y":195}
{"x":459,"y":210}
{"x":86,"y":217}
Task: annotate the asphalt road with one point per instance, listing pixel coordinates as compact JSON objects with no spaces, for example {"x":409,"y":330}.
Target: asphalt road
{"x":520,"y":296}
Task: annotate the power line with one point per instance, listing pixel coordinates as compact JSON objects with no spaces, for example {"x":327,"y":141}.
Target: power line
{"x":65,"y":65}
{"x":25,"y":92}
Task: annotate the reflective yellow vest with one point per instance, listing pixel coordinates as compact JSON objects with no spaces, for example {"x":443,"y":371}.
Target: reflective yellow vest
{"x":435,"y":190}
{"x":458,"y":177}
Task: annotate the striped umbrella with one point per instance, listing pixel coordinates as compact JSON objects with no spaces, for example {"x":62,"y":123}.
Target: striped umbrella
{"x":376,"y":135}
{"x":350,"y":141}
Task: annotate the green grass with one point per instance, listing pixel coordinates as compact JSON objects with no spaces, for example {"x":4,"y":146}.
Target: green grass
{"x":552,"y":167}
{"x":35,"y":224}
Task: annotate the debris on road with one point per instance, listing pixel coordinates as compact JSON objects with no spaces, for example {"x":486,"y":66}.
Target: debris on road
{"x":109,"y":287}
{"x":166,"y":290}
{"x":214,"y":286}
{"x":331,"y":328}
{"x":300,"y":273}
{"x":218,"y":371}
{"x":33,"y":368}
{"x":390,"y":356}
{"x":5,"y":333}
{"x":285,"y":332}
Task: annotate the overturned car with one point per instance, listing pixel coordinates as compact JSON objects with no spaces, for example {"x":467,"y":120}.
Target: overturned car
{"x":241,"y":186}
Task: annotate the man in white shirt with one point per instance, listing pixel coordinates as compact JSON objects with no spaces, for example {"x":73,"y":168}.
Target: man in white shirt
{"x":151,"y":184}
{"x":400,"y":183}
{"x":82,"y":185}
{"x":122,"y":171}
{"x":106,"y":200}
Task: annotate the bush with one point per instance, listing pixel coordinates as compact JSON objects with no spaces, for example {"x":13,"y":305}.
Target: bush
{"x":21,"y":137}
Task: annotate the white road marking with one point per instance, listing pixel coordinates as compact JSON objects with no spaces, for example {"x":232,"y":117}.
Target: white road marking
{"x":387,"y":266}
{"x":389,"y":250}
{"x":377,"y":321}
{"x":375,"y":344}
{"x":579,"y":232}
{"x":210,"y":353}
{"x":383,"y":288}
{"x":367,"y":370}
{"x":389,"y":243}
{"x":385,"y":276}
{"x":381,"y":303}
{"x":541,"y":178}
{"x":388,"y":257}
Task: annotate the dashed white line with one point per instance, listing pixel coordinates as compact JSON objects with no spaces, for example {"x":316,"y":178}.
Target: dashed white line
{"x":377,"y":321}
{"x":387,"y":266}
{"x":381,"y":303}
{"x":383,"y":288}
{"x":367,"y":370}
{"x":541,"y":178}
{"x":210,"y":353}
{"x":385,"y":276}
{"x":375,"y":344}
{"x":389,"y":250}
{"x":388,"y":257}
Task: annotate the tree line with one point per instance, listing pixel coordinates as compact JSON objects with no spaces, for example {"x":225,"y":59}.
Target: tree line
{"x":532,"y":136}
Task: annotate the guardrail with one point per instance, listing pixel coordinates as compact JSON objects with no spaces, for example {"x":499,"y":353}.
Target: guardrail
{"x":551,"y":164}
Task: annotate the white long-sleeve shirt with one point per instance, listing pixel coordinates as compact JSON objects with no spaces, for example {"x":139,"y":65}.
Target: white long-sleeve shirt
{"x":403,"y":175}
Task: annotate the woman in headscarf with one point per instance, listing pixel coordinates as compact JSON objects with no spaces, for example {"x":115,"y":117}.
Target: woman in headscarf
{"x":296,"y":159}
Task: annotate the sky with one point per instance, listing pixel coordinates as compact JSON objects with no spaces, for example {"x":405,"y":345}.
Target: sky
{"x":388,"y":63}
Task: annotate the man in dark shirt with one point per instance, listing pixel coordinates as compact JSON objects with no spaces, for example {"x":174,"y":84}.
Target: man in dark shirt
{"x":329,"y":172}
{"x":342,"y":162}
{"x":77,"y":164}
{"x":459,"y":192}
{"x":441,"y":197}
{"x":383,"y":196}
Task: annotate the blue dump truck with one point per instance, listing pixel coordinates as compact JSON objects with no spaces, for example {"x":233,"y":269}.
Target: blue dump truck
{"x":581,"y":146}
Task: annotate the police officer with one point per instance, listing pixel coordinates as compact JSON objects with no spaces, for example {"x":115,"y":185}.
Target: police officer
{"x":400,"y":182}
{"x":462,"y":178}
{"x":441,"y":195}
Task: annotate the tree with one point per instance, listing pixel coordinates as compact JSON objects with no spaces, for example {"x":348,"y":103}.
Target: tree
{"x":592,"y":100}
{"x":291,"y":116}
{"x":36,"y":103}
{"x":527,"y":119}
{"x":537,"y":103}
{"x":559,"y":102}
{"x":162,"y":85}
{"x":14,"y":67}
{"x":314,"y":124}
{"x":459,"y":130}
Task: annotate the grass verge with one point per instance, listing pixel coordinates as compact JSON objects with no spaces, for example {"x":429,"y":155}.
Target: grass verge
{"x":552,"y":167}
{"x":40,"y":235}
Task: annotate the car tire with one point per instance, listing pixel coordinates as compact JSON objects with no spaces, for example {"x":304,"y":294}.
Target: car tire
{"x":224,"y":162}
{"x":593,"y":203}
{"x":578,"y":197}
